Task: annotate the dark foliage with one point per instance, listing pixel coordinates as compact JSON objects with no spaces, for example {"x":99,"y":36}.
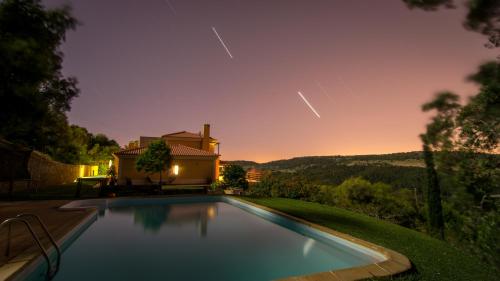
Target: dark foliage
{"x":396,"y":176}
{"x":483,"y":16}
{"x":435,"y":212}
{"x":156,"y":159}
{"x":33,"y":91}
{"x":235,"y":176}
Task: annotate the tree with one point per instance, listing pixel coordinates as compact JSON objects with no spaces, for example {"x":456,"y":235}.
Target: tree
{"x":156,"y":159}
{"x":483,"y":16}
{"x":480,"y":118}
{"x":235,"y":176}
{"x":440,"y":136}
{"x":35,"y":96}
{"x":100,"y":150}
{"x":434,"y":207}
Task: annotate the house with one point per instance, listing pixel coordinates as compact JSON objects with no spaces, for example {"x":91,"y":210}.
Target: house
{"x":194,"y":159}
{"x":253,"y":175}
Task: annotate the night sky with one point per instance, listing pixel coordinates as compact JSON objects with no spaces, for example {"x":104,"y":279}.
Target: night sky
{"x":154,"y":67}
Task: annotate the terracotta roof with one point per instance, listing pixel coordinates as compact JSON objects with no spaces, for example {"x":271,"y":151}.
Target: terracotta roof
{"x":182,"y":150}
{"x":177,"y":150}
{"x":184,"y":134}
{"x":131,"y":151}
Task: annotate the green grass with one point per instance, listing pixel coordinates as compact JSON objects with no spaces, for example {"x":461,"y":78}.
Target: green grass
{"x":433,"y":259}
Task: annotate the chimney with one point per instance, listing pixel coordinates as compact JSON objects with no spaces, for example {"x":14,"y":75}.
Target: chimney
{"x":206,"y":138}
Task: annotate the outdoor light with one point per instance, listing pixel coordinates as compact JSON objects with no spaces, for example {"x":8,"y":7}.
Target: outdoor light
{"x":110,"y":163}
{"x":176,"y":170}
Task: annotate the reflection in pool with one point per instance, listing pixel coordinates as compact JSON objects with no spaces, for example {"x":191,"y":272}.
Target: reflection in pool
{"x":198,"y":241}
{"x":153,"y":217}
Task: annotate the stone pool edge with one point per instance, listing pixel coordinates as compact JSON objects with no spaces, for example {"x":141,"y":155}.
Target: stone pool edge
{"x":394,"y":264}
{"x":29,"y":268}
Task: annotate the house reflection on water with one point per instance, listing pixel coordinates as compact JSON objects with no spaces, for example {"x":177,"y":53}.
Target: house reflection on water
{"x":153,"y":217}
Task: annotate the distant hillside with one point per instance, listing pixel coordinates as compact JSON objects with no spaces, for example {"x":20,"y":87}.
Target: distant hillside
{"x":244,"y":163}
{"x":404,"y":159}
{"x":401,"y":170}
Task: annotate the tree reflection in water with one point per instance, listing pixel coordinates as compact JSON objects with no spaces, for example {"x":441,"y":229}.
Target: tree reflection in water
{"x":153,"y":217}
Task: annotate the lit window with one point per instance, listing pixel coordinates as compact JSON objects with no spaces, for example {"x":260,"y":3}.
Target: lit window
{"x":176,"y":170}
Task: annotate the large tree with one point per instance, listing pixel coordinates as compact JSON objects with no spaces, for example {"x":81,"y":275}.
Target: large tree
{"x":34,"y":94}
{"x":461,"y":155}
{"x":466,"y":138}
{"x":156,"y":159}
{"x":439,"y":136}
{"x":483,"y":16}
{"x":235,"y":176}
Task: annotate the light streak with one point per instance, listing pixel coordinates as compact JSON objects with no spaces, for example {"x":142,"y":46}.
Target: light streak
{"x":308,"y":104}
{"x":171,"y":7}
{"x":324,"y":91}
{"x":222,"y":42}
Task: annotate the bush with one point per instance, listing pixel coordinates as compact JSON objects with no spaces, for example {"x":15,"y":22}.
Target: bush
{"x":475,"y":231}
{"x":375,"y":199}
{"x":285,"y":185}
{"x":235,"y":176}
{"x":217,"y":186}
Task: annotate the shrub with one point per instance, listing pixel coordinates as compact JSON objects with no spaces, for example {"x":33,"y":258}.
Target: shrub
{"x":235,"y":176}
{"x":217,"y":186}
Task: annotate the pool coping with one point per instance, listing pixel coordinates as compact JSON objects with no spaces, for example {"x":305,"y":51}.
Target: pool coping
{"x":27,"y":268}
{"x":394,"y":263}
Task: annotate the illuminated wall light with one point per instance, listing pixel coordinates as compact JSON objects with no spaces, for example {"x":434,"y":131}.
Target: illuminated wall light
{"x":176,"y":170}
{"x":81,"y":173}
{"x":110,"y":163}
{"x":94,"y":170}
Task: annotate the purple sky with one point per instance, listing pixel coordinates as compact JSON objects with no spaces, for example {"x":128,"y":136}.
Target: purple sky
{"x":146,"y":69}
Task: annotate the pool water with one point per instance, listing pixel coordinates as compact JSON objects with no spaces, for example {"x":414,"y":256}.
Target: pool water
{"x":198,"y":241}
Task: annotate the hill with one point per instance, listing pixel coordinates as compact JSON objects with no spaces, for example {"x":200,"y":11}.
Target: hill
{"x":406,"y":159}
{"x":401,"y":170}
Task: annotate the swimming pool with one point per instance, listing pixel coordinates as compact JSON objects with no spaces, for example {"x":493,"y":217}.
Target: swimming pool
{"x":199,"y":238}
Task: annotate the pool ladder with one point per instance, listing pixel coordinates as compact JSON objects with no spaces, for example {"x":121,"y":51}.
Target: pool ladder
{"x":22,"y":218}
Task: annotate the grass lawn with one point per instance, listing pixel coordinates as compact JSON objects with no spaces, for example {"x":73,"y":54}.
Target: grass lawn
{"x":432,"y":258}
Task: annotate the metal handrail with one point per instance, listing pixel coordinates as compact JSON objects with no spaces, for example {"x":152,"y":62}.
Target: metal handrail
{"x":44,"y":227}
{"x":35,"y":237}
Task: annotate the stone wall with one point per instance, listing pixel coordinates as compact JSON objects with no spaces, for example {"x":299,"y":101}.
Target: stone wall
{"x":45,"y":172}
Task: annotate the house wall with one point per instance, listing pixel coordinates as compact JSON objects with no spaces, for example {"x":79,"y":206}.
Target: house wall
{"x":195,"y":143}
{"x":126,"y":170}
{"x":192,"y":170}
{"x":146,"y":141}
{"x":211,"y":147}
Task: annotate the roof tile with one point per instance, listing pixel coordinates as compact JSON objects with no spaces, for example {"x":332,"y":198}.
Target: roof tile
{"x":177,"y":150}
